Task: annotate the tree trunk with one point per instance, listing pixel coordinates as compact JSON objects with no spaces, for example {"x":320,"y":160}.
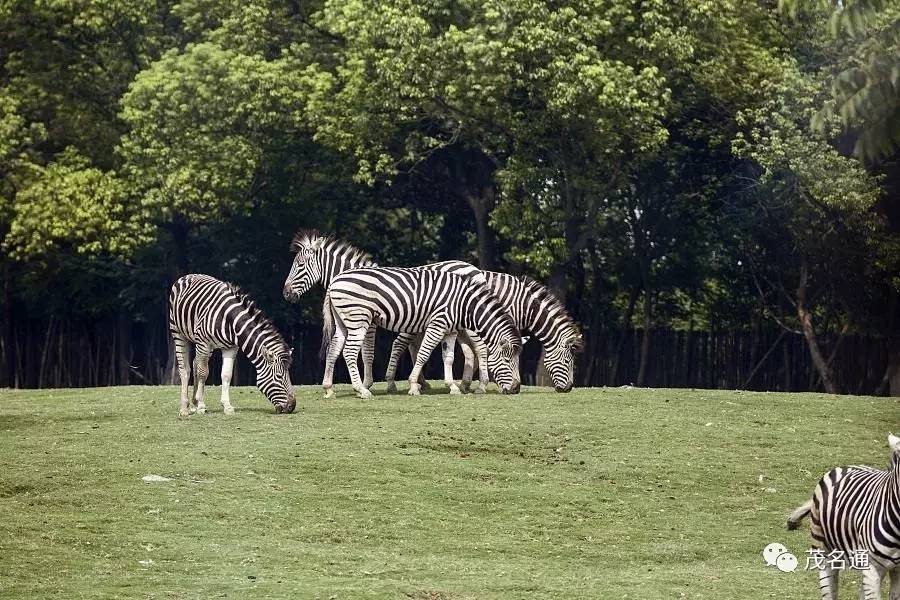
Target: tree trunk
{"x":645,"y":340}
{"x":894,"y":370}
{"x":9,"y":343}
{"x":482,"y":204}
{"x":123,"y":324}
{"x":806,"y":325}
{"x":626,"y":323}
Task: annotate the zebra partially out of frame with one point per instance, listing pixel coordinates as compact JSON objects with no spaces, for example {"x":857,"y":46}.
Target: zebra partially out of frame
{"x":320,"y":258}
{"x":414,"y":300}
{"x":212,"y":314}
{"x":534,"y":309}
{"x":857,"y":509}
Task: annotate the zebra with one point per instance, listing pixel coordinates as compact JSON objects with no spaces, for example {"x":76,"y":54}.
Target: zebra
{"x":535,"y":309}
{"x":414,"y":300}
{"x":857,"y":509}
{"x":213,"y":314}
{"x":320,"y":258}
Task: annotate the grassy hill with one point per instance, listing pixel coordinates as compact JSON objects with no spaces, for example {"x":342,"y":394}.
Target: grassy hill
{"x":601,"y":493}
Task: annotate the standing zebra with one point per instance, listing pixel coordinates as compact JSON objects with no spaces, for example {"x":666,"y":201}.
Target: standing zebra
{"x":414,"y":300}
{"x":534,"y":309}
{"x":212,"y":314}
{"x":857,"y":509}
{"x":320,"y":258}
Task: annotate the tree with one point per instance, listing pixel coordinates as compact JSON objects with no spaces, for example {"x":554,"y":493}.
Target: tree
{"x":864,"y":73}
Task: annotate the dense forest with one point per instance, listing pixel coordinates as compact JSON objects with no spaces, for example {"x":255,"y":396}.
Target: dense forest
{"x":712,"y":187}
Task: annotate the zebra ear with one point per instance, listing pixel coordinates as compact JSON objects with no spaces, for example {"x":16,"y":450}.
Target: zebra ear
{"x":894,"y":443}
{"x":576,"y":344}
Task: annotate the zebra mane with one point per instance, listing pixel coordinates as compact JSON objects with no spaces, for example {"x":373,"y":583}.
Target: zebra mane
{"x":305,"y":237}
{"x":543,"y":294}
{"x":248,"y":302}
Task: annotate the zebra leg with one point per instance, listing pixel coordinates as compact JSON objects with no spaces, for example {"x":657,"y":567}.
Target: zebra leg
{"x":481,"y":352}
{"x":183,"y":358}
{"x":401,"y":343}
{"x":465,"y":343}
{"x":828,"y":583}
{"x":334,"y":350}
{"x":447,"y":352}
{"x":414,"y":346}
{"x":434,"y":333}
{"x":201,"y":371}
{"x":355,"y":339}
{"x":368,"y":354}
{"x":895,"y":584}
{"x":228,"y":355}
{"x":870,"y":588}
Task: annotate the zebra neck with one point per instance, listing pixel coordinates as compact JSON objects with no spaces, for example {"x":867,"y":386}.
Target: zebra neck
{"x":252,"y":335}
{"x":335,"y":263}
{"x":483,"y":316}
{"x":545,"y":322}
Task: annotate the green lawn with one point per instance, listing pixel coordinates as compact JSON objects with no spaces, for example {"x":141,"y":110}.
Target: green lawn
{"x":601,"y":493}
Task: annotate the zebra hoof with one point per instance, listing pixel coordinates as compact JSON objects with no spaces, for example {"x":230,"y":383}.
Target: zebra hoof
{"x":329,"y":393}
{"x":391,"y":387}
{"x":455,"y":391}
{"x":465,"y":388}
{"x":364,"y":393}
{"x":192,"y":409}
{"x":201,"y":410}
{"x":481,"y":390}
{"x":183,"y":413}
{"x":414,"y":390}
{"x":368,"y":384}
{"x":229,"y":410}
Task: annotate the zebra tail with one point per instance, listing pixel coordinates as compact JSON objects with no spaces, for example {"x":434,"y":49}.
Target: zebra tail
{"x":327,"y":328}
{"x":799,"y":513}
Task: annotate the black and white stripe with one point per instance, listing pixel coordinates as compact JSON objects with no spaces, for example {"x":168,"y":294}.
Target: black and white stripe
{"x":535,"y":310}
{"x":212,"y":314}
{"x":854,"y":509}
{"x":319,"y":259}
{"x":411,"y":301}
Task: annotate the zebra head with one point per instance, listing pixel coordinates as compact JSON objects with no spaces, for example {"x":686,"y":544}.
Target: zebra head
{"x":559,"y":360}
{"x":894,"y":443}
{"x":307,"y":268}
{"x":273,"y":378}
{"x":503,"y":365}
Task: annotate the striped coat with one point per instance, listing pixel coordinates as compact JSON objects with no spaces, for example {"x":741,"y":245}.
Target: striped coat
{"x":415,"y":300}
{"x":213,"y":315}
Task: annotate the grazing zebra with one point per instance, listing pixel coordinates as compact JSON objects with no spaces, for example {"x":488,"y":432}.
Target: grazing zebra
{"x":212,"y":314}
{"x":320,"y":258}
{"x":534,"y":309}
{"x":414,"y":300}
{"x":857,"y":509}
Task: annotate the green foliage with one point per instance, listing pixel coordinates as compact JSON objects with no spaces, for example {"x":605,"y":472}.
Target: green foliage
{"x":72,"y":204}
{"x":615,"y":148}
{"x":777,"y":138}
{"x":200,"y":122}
{"x":864,"y":73}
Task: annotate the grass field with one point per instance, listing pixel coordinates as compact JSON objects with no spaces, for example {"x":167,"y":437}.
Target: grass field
{"x":601,"y":493}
